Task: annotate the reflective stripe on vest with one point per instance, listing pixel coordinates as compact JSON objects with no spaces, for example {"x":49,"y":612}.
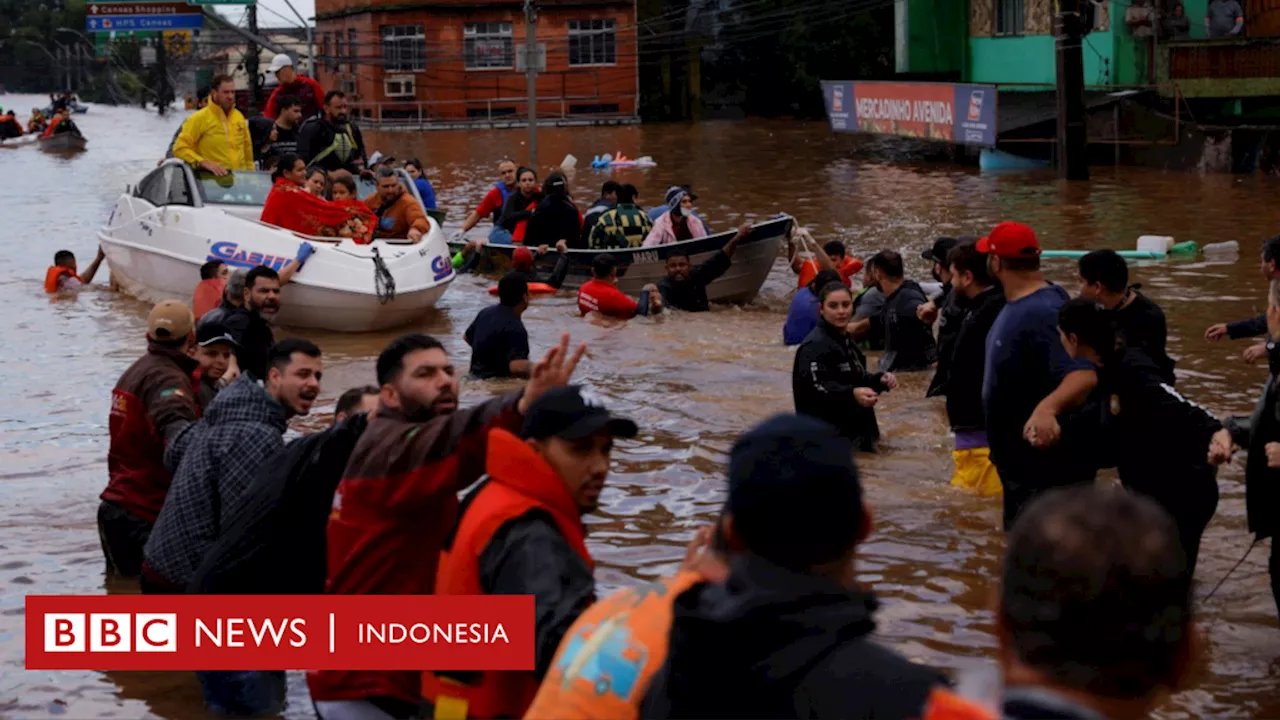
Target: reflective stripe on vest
{"x":343,"y":146}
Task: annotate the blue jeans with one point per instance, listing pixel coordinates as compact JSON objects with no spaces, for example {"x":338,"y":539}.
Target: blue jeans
{"x":499,"y":235}
{"x":243,"y":693}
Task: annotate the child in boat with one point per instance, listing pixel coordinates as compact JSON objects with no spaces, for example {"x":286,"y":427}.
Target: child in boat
{"x":61,"y":277}
{"x":342,"y":190}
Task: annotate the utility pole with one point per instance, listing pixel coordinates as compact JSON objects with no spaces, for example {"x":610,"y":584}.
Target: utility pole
{"x":164,"y":96}
{"x":251,"y":57}
{"x":531,"y":76}
{"x":1073,"y":138}
{"x":311,"y":44}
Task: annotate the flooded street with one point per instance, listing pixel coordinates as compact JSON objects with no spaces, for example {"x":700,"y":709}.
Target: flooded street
{"x":692,"y":382}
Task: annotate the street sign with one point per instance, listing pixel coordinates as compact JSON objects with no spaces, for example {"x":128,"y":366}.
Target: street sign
{"x":177,"y":42}
{"x":140,"y":8}
{"x":116,"y":23}
{"x":223,"y":2}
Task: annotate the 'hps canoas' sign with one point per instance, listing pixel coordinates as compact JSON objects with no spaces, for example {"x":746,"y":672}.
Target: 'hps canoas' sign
{"x":960,"y":114}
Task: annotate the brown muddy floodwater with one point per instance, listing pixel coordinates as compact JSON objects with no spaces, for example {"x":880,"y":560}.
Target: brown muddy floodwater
{"x":693,"y":382}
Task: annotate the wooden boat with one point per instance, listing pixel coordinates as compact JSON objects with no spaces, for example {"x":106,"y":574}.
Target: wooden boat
{"x":638,"y":267}
{"x":63,"y":142}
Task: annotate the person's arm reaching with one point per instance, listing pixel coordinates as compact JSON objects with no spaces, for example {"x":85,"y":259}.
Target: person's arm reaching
{"x":171,"y":406}
{"x":292,"y":268}
{"x":556,"y":279}
{"x":529,"y":556}
{"x":1042,"y":428}
{"x":87,"y":276}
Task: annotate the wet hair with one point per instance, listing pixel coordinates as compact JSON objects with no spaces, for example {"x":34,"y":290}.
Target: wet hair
{"x":345,"y":179}
{"x":512,"y":289}
{"x":350,"y":399}
{"x":835,"y":247}
{"x":281,"y":354}
{"x":888,"y":262}
{"x":966,"y":258}
{"x":1107,"y":268}
{"x":1271,"y":250}
{"x":391,"y":359}
{"x":555,"y":185}
{"x":261,"y":271}
{"x":287,"y":101}
{"x":1096,"y":596}
{"x":823,"y":279}
{"x":1091,"y":323}
{"x":329,"y":96}
{"x":602,"y":266}
{"x":62,"y":257}
{"x":830,"y":288}
{"x":218,"y":81}
{"x":287,"y":161}
{"x":611,"y":187}
{"x":627,"y":194}
{"x":209,"y":270}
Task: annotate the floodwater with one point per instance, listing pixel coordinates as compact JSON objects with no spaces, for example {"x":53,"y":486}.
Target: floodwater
{"x":692,"y":382}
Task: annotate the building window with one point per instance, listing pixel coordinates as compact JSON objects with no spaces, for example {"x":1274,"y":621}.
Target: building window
{"x":338,"y":52}
{"x":398,"y":86}
{"x":353,"y":50}
{"x":1010,"y":17}
{"x":488,"y":46}
{"x":348,"y":87}
{"x":592,"y":42}
{"x":404,"y":48}
{"x":324,"y":51}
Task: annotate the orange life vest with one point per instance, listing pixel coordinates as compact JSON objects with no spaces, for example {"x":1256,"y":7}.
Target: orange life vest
{"x":519,"y":481}
{"x":48,"y":132}
{"x":609,"y":656}
{"x":809,"y":270}
{"x":54,"y":274}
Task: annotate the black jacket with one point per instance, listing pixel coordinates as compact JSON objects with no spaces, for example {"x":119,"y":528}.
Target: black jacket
{"x":1248,"y":328}
{"x":771,"y":643}
{"x":691,"y":295}
{"x":1262,"y":484}
{"x":950,"y":315}
{"x":1156,"y":439}
{"x":516,"y":209}
{"x":1141,"y":324}
{"x":555,"y":279}
{"x":828,"y":366}
{"x":275,"y":543}
{"x":554,"y":219}
{"x":598,"y":208}
{"x":908,"y":342}
{"x":968,"y":361}
{"x":317,"y":135}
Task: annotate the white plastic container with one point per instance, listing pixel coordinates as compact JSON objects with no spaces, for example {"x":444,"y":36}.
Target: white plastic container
{"x":1155,"y":243}
{"x":1222,"y":248}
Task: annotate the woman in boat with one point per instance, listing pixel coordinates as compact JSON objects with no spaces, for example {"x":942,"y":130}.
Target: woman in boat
{"x":416,"y":171}
{"x":1163,"y":445}
{"x":676,"y":224}
{"x":291,"y":206}
{"x":830,"y":379}
{"x":556,"y":217}
{"x":317,"y":181}
{"x":520,"y":204}
{"x":342,"y":191}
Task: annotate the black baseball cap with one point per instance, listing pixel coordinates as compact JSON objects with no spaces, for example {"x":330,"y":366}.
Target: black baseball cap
{"x":938,"y":253}
{"x":794,"y":491}
{"x":567,"y":413}
{"x":211,"y":333}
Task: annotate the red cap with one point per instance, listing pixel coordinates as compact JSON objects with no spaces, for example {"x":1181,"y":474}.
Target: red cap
{"x":522,"y":258}
{"x":1010,"y":240}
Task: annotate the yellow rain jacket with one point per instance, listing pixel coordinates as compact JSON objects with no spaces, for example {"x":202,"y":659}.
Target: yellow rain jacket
{"x":213,"y":135}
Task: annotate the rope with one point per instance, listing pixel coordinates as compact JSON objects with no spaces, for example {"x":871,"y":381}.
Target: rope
{"x":1233,"y":569}
{"x":383,"y":283}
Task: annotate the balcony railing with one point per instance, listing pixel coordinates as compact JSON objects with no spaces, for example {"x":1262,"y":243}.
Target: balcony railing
{"x":497,"y":112}
{"x":1221,"y":68}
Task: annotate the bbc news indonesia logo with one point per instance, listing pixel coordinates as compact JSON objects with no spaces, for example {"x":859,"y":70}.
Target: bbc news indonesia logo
{"x":263,"y":632}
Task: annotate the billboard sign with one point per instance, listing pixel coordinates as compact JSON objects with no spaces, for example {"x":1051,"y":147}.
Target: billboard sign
{"x":948,"y":112}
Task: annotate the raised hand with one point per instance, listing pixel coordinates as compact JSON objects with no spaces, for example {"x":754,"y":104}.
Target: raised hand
{"x":555,"y":369}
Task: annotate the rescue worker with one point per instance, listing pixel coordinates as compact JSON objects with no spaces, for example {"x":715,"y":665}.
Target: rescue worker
{"x":1094,"y":615}
{"x":292,"y":84}
{"x":330,"y":140}
{"x":908,"y":340}
{"x":685,"y":286}
{"x":493,"y":202}
{"x":152,"y":403}
{"x":10,"y":128}
{"x":201,"y":100}
{"x":1163,"y":445}
{"x":397,"y":501}
{"x":829,"y":379}
{"x":216,"y":139}
{"x":601,"y":295}
{"x":1140,"y":323}
{"x":520,"y":533}
{"x":787,"y":635}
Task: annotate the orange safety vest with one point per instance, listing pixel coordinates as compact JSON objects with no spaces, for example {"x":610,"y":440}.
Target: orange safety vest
{"x":848,"y":268}
{"x":54,"y":274}
{"x":609,"y":656}
{"x":519,"y":481}
{"x":48,"y":132}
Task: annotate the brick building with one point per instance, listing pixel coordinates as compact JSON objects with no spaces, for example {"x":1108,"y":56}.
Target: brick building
{"x":443,"y":61}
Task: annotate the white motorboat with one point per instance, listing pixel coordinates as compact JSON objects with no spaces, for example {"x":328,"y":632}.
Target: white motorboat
{"x":174,"y":221}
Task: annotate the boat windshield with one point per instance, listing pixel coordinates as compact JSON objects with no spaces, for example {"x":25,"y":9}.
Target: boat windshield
{"x":240,"y":188}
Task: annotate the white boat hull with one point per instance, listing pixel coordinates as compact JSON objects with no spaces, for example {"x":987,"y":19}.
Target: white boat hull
{"x":155,"y":253}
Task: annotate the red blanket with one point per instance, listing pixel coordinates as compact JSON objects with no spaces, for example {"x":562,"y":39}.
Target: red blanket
{"x":293,"y":208}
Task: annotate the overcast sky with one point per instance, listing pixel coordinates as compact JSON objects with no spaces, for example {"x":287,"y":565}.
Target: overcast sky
{"x":274,"y":13}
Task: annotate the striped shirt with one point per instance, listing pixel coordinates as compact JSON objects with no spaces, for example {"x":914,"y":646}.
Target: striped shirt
{"x":624,"y":226}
